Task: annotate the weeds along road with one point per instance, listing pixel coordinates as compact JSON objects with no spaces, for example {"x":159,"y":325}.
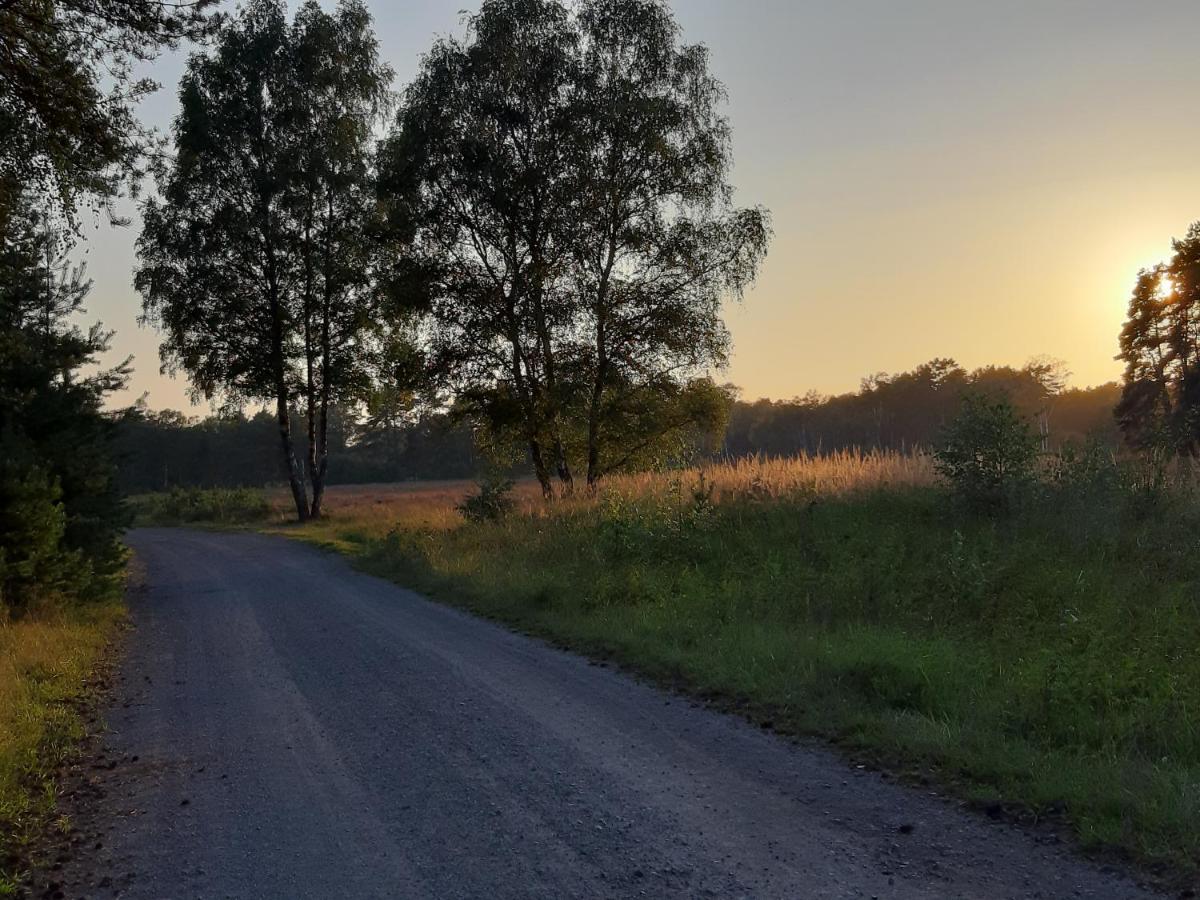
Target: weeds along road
{"x":291,"y":728}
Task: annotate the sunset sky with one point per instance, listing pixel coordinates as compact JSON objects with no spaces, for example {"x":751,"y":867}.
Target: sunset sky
{"x":957,"y":178}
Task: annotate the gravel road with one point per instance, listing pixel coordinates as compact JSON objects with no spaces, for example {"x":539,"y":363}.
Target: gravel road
{"x":287,"y":727}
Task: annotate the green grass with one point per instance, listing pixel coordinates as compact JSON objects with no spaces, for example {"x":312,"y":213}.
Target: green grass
{"x":46,"y":663}
{"x":1048,"y":661}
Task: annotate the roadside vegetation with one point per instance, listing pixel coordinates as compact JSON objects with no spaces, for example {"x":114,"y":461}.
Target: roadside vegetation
{"x":1044,"y":659}
{"x":47,"y":668}
{"x":69,"y":144}
{"x":61,"y":517}
{"x":1026,"y":641}
{"x":61,"y":560}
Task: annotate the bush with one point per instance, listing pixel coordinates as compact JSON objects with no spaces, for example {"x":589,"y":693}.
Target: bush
{"x":988,"y":452}
{"x":491,"y":504}
{"x":219,"y":506}
{"x":34,"y":563}
{"x":1089,"y":469}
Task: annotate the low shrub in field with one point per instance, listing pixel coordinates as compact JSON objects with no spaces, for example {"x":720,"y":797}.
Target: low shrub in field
{"x":221,"y":506}
{"x":988,"y":452}
{"x":491,"y":503}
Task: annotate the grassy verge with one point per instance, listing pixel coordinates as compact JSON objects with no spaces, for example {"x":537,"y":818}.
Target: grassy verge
{"x":46,"y":662}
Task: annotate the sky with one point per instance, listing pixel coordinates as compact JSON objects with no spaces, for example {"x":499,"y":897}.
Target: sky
{"x":959,"y":178}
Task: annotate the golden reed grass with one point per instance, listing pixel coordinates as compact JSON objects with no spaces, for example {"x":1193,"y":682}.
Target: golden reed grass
{"x":379,"y":508}
{"x":778,"y":478}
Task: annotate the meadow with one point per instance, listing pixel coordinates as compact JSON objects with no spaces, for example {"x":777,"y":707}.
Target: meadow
{"x":1041,"y":663}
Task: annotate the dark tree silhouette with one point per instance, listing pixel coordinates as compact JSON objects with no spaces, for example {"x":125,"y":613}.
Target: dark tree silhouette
{"x":476,"y":162}
{"x":67,"y":92}
{"x":1160,"y":346}
{"x":564,"y":171}
{"x":655,"y":242}
{"x":909,"y":410}
{"x":257,"y":261}
{"x":68,"y":136}
{"x":60,"y":516}
{"x":388,"y":440}
{"x":166,"y":450}
{"x":340,"y":90}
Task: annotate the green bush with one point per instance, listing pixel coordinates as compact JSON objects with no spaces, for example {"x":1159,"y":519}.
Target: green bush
{"x":218,"y":506}
{"x":988,"y":452}
{"x":492,"y":504}
{"x":1090,"y":469}
{"x":34,"y":562}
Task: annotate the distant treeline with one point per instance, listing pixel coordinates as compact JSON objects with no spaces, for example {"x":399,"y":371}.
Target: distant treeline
{"x":160,"y":450}
{"x":910,"y":410}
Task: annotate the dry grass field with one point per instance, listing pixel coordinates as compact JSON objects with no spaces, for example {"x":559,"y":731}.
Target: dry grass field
{"x":374,"y":510}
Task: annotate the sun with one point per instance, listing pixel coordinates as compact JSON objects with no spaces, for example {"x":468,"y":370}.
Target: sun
{"x":1166,"y":287}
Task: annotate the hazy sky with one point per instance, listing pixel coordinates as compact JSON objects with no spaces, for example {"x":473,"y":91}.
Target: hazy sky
{"x":963,"y":178}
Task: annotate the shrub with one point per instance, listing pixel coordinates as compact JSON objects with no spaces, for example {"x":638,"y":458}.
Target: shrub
{"x":34,"y":562}
{"x":1092,"y":468}
{"x":493,"y":502}
{"x":988,"y":451}
{"x":221,"y":506}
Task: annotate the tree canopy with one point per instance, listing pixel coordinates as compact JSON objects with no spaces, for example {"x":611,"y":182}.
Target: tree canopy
{"x":907,"y":410}
{"x":1160,"y":346}
{"x":60,"y":514}
{"x":258,"y":260}
{"x":70,"y":137}
{"x":387,"y":439}
{"x":564,"y":173}
{"x":67,"y":92}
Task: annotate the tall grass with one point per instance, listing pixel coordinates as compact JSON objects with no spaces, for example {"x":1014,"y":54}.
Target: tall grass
{"x":832,"y":474}
{"x":358,"y":512}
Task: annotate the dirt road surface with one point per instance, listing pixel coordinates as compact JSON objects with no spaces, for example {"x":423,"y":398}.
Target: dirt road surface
{"x":287,"y":727}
